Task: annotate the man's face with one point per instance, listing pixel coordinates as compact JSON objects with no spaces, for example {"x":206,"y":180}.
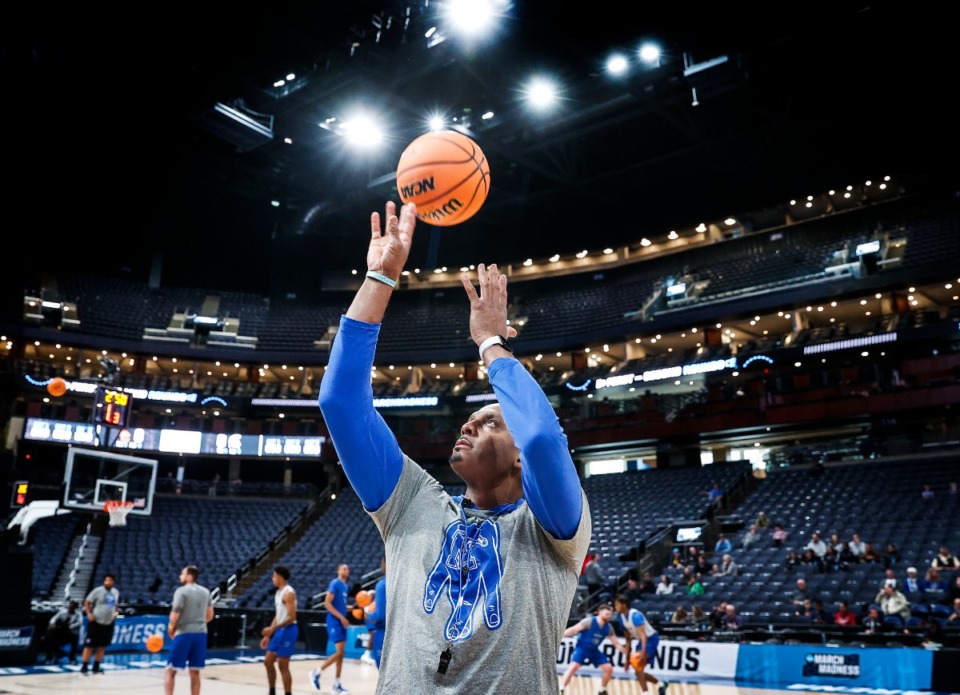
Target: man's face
{"x":343,"y":572}
{"x":605,"y":613}
{"x":183,"y":576}
{"x":108,"y":582}
{"x":485,"y":449}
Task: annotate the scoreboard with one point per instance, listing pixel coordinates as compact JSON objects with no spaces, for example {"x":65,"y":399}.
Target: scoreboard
{"x":112,"y":407}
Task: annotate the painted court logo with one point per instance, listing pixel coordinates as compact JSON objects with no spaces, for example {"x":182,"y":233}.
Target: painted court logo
{"x":832,"y":665}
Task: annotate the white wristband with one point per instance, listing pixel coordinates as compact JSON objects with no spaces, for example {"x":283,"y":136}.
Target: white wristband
{"x":492,"y":340}
{"x":374,"y":275}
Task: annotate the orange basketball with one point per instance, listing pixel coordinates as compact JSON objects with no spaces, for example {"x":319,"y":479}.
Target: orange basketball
{"x":635,"y":660}
{"x":358,"y":613}
{"x":446,"y":174}
{"x":155,"y":642}
{"x":56,"y":387}
{"x":364,"y":598}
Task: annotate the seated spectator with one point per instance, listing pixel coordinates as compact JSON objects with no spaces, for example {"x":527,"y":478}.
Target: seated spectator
{"x":679,"y":615}
{"x":695,"y":586}
{"x":715,"y":493}
{"x":698,"y":617}
{"x":952,"y":489}
{"x":833,"y":562}
{"x":893,"y":602}
{"x":801,"y":593}
{"x":933,"y":586}
{"x":723,"y":545}
{"x":873,"y":622}
{"x":805,"y":611}
{"x":817,"y":545}
{"x":857,"y":547}
{"x":836,"y":543}
{"x":954,"y":617}
{"x":727,"y":568}
{"x":819,"y":615}
{"x":927,"y":492}
{"x":730,"y":620}
{"x":762,"y":522}
{"x":890,"y":579}
{"x":944,"y":560}
{"x":844,"y":616}
{"x":793,"y":560}
{"x":665,"y":586}
{"x":779,"y":536}
{"x":702,"y":567}
{"x":646,"y":584}
{"x":870,"y":556}
{"x":676,"y":559}
{"x":892,"y":556}
{"x":692,"y":554}
{"x":752,"y":537}
{"x":716,"y":615}
{"x":811,"y":560}
{"x":912,"y":585}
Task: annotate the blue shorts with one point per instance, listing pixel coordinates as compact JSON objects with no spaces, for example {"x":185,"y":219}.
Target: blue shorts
{"x":283,"y":641}
{"x":652,"y":642}
{"x":376,"y":647}
{"x":336,"y":632}
{"x":188,"y":648}
{"x":592,"y":654}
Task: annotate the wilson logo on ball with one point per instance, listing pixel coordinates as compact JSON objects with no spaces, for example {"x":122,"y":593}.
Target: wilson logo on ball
{"x":446,"y":174}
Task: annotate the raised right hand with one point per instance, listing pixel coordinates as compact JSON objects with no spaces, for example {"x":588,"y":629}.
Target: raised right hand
{"x":388,"y":250}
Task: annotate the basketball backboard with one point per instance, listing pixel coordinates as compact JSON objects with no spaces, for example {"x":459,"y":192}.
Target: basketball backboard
{"x":92,"y":477}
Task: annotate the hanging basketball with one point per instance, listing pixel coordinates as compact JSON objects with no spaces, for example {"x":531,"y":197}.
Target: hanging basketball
{"x":56,"y":387}
{"x":446,"y":174}
{"x":155,"y":642}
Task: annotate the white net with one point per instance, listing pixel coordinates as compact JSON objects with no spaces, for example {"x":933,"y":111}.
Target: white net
{"x":118,"y":512}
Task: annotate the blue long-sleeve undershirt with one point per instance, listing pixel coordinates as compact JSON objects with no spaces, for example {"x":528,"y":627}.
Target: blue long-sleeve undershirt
{"x":371,"y":456}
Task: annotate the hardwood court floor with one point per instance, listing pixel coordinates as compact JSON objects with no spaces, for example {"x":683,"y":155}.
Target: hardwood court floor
{"x":241,"y":673}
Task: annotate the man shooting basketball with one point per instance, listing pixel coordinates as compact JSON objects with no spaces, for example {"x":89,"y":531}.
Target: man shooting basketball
{"x":481,"y":584}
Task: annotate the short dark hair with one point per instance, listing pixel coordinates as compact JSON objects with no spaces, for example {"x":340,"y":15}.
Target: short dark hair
{"x":193,"y":571}
{"x":604,"y":606}
{"x":108,"y":574}
{"x":622,"y":598}
{"x":283,"y":571}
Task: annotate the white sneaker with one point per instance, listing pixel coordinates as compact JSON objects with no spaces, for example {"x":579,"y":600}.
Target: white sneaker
{"x":338,"y":688}
{"x":367,"y":659}
{"x":315,"y":678}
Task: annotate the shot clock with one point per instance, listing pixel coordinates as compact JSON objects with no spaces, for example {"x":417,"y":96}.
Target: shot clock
{"x":112,"y":407}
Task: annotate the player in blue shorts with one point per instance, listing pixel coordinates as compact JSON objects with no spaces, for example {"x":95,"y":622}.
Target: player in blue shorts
{"x":592,"y":631}
{"x":636,"y":627}
{"x":280,"y":636}
{"x":337,"y":623}
{"x":191,"y":610}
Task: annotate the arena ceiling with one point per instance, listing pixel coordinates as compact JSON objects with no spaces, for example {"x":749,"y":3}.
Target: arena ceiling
{"x":119,"y":158}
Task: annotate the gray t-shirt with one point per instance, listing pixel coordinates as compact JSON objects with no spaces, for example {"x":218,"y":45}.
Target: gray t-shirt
{"x":191,"y":602}
{"x":103,"y":604}
{"x":504,"y":627}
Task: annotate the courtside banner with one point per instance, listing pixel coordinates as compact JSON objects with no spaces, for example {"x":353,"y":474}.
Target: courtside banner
{"x":674,"y":660}
{"x":130,"y":633}
{"x":794,"y":666}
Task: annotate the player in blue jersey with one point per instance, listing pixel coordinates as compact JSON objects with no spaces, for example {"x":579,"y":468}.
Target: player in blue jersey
{"x":335,"y":603}
{"x":636,"y":627}
{"x":465,"y":569}
{"x":592,"y":631}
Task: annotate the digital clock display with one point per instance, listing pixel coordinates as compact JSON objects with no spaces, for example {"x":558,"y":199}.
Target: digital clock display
{"x":112,"y":407}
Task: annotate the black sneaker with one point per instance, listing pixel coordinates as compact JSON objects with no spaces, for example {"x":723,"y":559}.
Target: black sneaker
{"x":663,"y":687}
{"x":97,"y":669}
{"x":83,"y":669}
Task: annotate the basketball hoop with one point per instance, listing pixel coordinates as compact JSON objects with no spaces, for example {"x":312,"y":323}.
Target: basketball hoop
{"x":118,"y":510}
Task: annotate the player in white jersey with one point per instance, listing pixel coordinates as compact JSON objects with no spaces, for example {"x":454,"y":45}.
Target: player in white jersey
{"x":636,"y":627}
